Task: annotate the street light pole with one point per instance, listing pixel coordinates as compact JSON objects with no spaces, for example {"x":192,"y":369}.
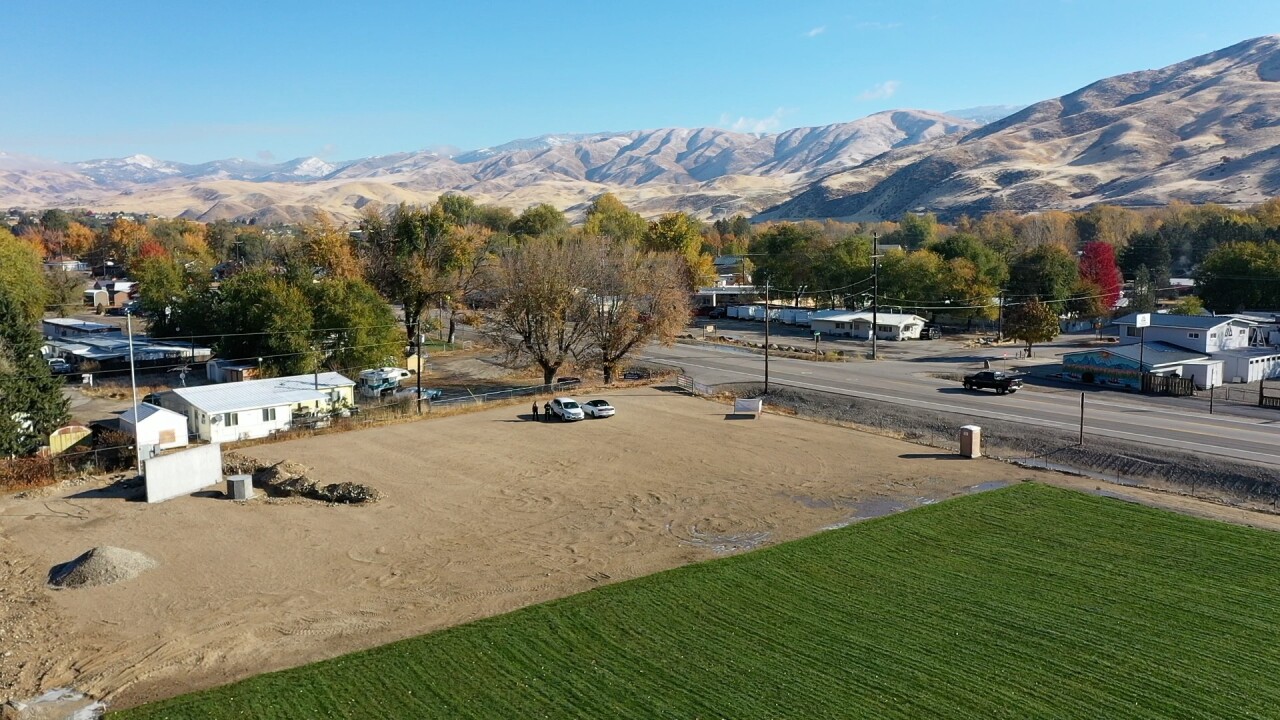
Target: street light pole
{"x":417,"y":350}
{"x":133,"y":383}
{"x":766,"y":337}
{"x":875,"y":293}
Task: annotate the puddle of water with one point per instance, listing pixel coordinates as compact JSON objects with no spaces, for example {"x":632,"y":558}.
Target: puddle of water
{"x":60,"y":704}
{"x":1039,"y":464}
{"x":719,"y":542}
{"x":823,"y":503}
{"x":983,"y":487}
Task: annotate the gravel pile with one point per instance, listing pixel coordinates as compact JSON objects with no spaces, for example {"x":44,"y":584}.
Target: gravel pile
{"x":100,"y":566}
{"x":236,"y":464}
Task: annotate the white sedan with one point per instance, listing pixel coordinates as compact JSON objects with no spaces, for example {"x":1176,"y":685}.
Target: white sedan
{"x":598,"y":408}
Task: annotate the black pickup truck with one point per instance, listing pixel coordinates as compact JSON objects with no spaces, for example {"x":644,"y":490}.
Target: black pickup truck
{"x":993,"y":379}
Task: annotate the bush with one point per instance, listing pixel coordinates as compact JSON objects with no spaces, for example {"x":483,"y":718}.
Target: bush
{"x":25,"y":473}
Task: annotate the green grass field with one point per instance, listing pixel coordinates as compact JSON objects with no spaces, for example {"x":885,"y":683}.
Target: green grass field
{"x":1027,"y":602}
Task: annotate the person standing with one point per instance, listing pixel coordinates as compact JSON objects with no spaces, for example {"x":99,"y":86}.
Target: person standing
{"x":535,"y":411}
{"x":546,"y":412}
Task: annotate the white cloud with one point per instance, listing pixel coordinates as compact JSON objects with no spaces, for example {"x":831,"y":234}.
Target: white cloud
{"x":754,"y":125}
{"x":816,"y":31}
{"x":880,"y":91}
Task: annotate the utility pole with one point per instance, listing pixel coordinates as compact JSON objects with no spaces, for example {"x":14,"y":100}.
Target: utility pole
{"x":1081,"y":419}
{"x":766,"y":336}
{"x":133,"y":382}
{"x":1000,"y":317}
{"x":875,"y":294}
{"x":417,"y":350}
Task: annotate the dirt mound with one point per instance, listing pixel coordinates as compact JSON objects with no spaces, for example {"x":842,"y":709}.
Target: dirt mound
{"x":100,"y":566}
{"x":235,"y":464}
{"x":289,"y":479}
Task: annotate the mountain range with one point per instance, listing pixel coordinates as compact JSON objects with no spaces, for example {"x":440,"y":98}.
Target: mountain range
{"x":1203,"y":130}
{"x":706,"y":171}
{"x":1206,"y":129}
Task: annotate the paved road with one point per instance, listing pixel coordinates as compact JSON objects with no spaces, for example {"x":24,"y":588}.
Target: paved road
{"x":910,"y":383}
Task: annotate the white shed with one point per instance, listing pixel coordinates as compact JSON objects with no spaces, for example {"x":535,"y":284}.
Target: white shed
{"x":155,"y":426}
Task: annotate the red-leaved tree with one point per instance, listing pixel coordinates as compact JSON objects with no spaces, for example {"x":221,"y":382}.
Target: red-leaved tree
{"x":1098,"y":266}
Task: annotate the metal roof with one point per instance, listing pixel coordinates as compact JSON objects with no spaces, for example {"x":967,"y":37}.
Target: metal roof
{"x":147,"y":410}
{"x":1193,"y":322}
{"x":270,"y":392}
{"x":1154,"y":355}
{"x":884,"y":318}
{"x":81,"y":325}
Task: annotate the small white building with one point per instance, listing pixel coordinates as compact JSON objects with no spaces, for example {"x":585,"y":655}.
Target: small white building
{"x":1250,"y":364}
{"x":155,"y":427}
{"x":857,"y":325}
{"x":258,"y":408}
{"x":1198,"y":333}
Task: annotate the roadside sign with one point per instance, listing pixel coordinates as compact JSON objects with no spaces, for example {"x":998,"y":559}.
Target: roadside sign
{"x":1142,"y":320}
{"x":816,"y":335}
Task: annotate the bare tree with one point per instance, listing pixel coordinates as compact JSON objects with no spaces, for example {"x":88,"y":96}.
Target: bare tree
{"x":634,"y":298}
{"x":542,"y":303}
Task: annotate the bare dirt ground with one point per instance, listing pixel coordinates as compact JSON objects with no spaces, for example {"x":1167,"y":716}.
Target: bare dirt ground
{"x":483,"y":513}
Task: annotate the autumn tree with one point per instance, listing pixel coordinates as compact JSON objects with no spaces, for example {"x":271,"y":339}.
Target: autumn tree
{"x":1031,"y":322}
{"x":1109,"y":224}
{"x":542,"y":307}
{"x":31,"y":400}
{"x":634,"y":298}
{"x":407,"y":259}
{"x":608,"y":217}
{"x":78,"y":240}
{"x":65,"y":291}
{"x":1098,"y":267}
{"x":22,"y":274}
{"x":327,"y":247}
{"x":1052,"y":227}
{"x":678,"y":233}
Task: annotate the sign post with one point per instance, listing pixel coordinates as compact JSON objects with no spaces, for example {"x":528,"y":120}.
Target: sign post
{"x":816,"y":337}
{"x":1142,"y":321}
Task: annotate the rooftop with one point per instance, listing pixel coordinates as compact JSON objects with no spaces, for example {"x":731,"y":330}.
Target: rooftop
{"x":81,"y":325}
{"x":147,"y":410}
{"x":884,"y":318}
{"x":1155,"y":354}
{"x":269,"y":392}
{"x":1192,"y":322}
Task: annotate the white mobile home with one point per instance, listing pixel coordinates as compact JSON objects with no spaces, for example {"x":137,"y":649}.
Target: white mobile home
{"x":257,"y":408}
{"x":857,"y":325}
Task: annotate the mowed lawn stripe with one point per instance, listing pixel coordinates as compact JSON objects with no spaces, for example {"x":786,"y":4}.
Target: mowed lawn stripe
{"x":1027,"y":602}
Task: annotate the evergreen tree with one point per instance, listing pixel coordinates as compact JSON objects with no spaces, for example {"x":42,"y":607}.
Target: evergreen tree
{"x":31,"y":400}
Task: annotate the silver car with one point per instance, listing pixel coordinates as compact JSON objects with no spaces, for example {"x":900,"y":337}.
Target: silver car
{"x":567,"y":409}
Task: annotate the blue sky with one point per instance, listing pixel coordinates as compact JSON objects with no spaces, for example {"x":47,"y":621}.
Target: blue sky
{"x":276,"y":80}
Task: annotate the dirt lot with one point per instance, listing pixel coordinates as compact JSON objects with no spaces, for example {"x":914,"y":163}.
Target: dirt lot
{"x":483,"y":513}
